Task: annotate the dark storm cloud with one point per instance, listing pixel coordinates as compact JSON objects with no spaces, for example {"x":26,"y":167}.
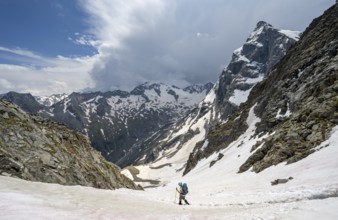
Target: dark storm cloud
{"x":184,"y":41}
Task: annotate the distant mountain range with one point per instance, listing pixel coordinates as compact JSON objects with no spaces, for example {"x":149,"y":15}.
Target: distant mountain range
{"x":117,"y":120}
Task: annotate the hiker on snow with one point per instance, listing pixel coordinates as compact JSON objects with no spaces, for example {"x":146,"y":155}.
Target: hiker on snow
{"x":182,"y":189}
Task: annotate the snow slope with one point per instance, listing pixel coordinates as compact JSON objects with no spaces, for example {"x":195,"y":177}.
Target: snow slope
{"x":215,"y":193}
{"x":24,"y":200}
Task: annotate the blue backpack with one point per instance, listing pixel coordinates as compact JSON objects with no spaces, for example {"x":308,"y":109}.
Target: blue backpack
{"x":185,"y":188}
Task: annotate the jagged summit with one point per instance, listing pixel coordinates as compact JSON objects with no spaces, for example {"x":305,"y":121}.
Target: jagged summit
{"x":195,"y":88}
{"x":261,"y":24}
{"x":250,"y":64}
{"x":260,"y":30}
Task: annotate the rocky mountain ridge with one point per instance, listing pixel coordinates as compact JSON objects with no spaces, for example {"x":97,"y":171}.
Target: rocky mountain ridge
{"x":25,"y":101}
{"x":36,"y":149}
{"x":249,"y":65}
{"x":295,"y":107}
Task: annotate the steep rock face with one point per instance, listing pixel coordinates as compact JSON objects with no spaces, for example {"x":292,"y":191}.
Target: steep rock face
{"x":304,"y":91}
{"x":249,"y":65}
{"x":36,"y":149}
{"x":117,"y":121}
{"x":296,"y":105}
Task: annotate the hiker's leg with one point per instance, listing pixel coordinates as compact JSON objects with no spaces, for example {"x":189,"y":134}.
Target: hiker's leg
{"x":181,"y":197}
{"x":186,"y":202}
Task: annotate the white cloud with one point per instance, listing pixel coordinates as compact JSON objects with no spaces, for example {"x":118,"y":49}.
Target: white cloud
{"x":22,"y":55}
{"x":113,"y":20}
{"x":61,"y":75}
{"x":5,"y":85}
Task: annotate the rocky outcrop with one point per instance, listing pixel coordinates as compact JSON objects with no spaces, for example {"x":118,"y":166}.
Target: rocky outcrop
{"x":297,"y":103}
{"x":281,"y":181}
{"x":33,"y":148}
{"x":302,"y":105}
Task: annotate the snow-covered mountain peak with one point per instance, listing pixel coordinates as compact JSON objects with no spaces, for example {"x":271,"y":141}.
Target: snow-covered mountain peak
{"x":50,"y":100}
{"x":257,"y":35}
{"x":251,"y":62}
{"x":248,"y":66}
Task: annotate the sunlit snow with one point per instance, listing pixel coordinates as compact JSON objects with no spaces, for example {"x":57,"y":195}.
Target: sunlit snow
{"x":218,"y":192}
{"x":291,"y":34}
{"x":240,"y":96}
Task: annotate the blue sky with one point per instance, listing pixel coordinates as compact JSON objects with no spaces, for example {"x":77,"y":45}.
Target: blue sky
{"x":57,"y":46}
{"x":43,"y":26}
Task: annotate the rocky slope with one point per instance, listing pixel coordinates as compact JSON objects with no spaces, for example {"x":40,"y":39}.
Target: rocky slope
{"x":296,"y":106}
{"x":249,"y":65}
{"x":36,"y":149}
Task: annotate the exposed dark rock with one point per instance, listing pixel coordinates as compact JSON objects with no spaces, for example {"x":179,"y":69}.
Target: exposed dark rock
{"x":25,"y":101}
{"x":281,"y":181}
{"x":220,"y":156}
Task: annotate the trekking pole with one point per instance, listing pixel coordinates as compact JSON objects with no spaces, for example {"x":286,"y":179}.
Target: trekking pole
{"x":175,"y":197}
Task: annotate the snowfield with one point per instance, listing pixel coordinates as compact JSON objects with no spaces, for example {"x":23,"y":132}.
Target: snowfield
{"x":215,"y":193}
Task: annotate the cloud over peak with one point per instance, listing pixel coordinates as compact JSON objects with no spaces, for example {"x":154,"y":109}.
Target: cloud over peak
{"x":130,"y":42}
{"x":186,"y":41}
